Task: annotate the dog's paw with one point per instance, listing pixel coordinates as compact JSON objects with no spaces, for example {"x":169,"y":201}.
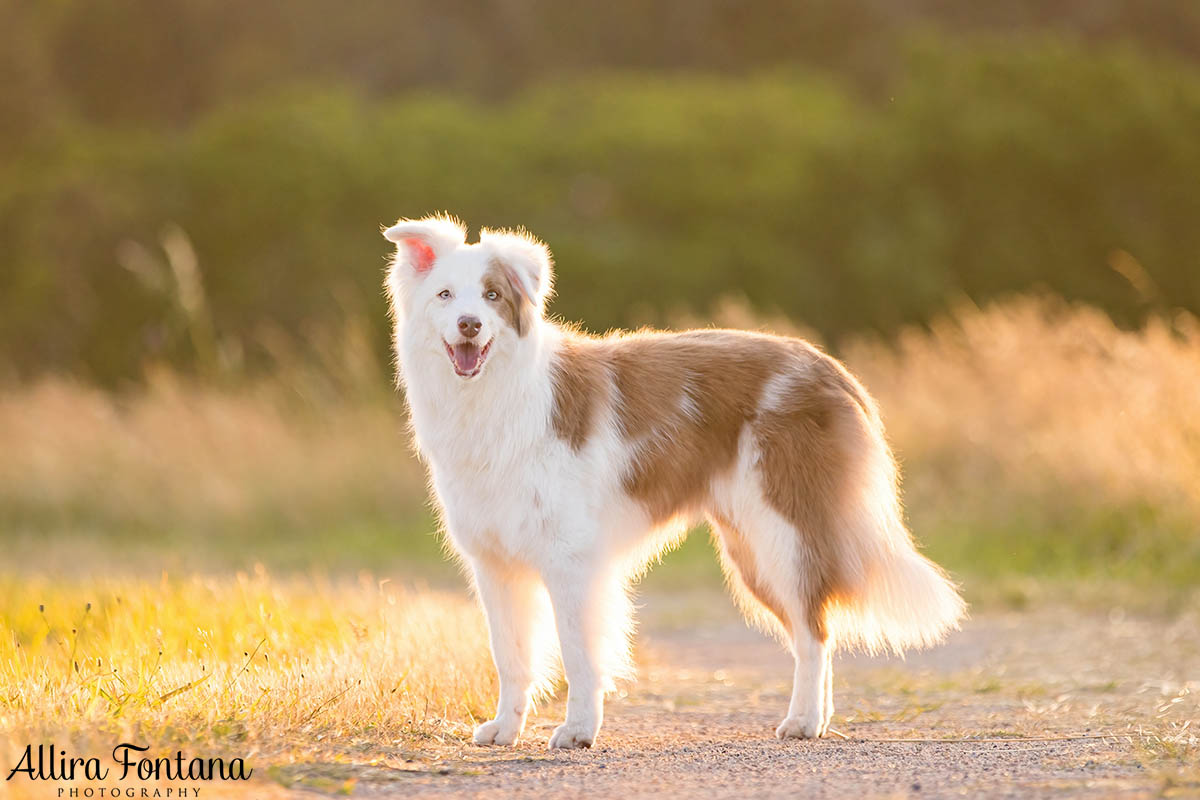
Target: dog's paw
{"x":572,"y":736}
{"x":808,"y":726}
{"x":497,"y":732}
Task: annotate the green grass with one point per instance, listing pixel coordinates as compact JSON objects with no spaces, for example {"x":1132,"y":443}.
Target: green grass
{"x":1134,"y":558}
{"x":408,"y":546}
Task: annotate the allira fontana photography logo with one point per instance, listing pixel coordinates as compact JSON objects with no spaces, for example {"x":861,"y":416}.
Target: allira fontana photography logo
{"x":128,"y":762}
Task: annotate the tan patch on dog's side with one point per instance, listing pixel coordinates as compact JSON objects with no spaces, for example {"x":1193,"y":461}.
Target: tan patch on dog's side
{"x":811,"y":442}
{"x":681,"y":402}
{"x":515,"y":307}
{"x":580,"y":380}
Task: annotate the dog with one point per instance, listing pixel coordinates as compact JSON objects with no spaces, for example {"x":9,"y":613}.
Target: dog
{"x":564,"y":463}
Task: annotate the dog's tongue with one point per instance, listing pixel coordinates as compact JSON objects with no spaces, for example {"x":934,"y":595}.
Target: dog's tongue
{"x":466,"y":356}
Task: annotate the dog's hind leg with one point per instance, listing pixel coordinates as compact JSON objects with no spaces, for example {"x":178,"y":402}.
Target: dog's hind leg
{"x":811,"y":706}
{"x":765,"y":571}
{"x":518,"y":617}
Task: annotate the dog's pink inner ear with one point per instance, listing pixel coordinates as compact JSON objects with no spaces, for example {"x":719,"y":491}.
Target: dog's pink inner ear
{"x":420,"y":255}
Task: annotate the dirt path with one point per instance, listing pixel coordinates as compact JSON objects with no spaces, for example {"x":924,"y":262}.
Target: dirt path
{"x":699,"y":722}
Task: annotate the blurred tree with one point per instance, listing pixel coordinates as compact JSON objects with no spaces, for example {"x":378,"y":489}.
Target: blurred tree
{"x":863,"y":185}
{"x":169,"y":61}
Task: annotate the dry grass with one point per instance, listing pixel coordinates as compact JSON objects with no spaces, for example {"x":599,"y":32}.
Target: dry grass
{"x":286,"y":666}
{"x":296,"y":471}
{"x":1040,"y":398}
{"x":197,"y":453}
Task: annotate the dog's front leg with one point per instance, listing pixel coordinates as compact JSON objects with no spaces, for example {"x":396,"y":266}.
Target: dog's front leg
{"x":513,"y":602}
{"x":578,"y":617}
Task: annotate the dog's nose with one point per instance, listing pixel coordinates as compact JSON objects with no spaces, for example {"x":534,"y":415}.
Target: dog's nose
{"x":469,"y":326}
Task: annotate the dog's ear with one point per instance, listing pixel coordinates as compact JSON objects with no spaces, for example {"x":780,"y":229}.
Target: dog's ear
{"x":525,"y":260}
{"x":419,"y":244}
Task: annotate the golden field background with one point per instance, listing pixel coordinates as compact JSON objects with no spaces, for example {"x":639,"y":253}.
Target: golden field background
{"x":248,"y":564}
{"x":1038,"y":441}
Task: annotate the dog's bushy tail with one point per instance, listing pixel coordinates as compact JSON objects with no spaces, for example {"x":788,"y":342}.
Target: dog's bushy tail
{"x":894,"y":598}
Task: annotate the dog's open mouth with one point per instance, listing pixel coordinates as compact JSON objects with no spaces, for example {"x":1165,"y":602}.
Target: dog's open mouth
{"x":467,"y":357}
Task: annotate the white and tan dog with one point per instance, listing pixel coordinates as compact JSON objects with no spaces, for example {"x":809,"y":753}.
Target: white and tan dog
{"x":564,"y":463}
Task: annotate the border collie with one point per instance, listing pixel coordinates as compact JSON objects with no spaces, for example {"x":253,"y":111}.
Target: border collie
{"x":564,"y":463}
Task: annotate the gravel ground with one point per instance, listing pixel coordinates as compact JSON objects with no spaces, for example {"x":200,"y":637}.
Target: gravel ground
{"x":699,"y":722}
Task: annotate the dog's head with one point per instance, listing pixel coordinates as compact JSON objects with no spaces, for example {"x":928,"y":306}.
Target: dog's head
{"x":472,"y":301}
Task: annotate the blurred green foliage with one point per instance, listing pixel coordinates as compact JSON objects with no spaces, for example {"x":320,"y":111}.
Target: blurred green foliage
{"x":171,"y":61}
{"x":849,"y":190}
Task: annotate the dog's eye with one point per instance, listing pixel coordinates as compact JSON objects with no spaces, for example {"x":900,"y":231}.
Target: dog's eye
{"x":492,"y":294}
{"x":444,"y":294}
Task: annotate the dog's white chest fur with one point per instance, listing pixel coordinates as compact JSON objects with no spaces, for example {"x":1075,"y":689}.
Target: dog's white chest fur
{"x":499,"y":474}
